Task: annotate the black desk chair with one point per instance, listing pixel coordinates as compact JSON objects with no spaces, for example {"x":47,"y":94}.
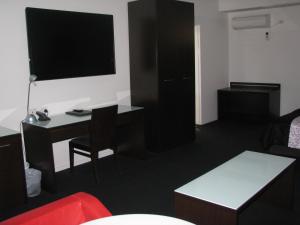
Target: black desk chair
{"x":101,"y":136}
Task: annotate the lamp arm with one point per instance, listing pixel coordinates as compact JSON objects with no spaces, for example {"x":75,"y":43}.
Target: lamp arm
{"x":28,"y":97}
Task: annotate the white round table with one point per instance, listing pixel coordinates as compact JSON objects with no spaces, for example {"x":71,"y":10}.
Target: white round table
{"x":138,"y":219}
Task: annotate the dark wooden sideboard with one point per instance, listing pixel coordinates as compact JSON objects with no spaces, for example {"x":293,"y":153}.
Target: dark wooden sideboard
{"x":12,"y":175}
{"x":249,"y":101}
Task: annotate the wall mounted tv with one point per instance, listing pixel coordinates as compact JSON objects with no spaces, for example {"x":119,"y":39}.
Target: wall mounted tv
{"x":64,"y":44}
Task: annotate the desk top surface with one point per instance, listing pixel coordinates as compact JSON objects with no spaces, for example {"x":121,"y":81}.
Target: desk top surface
{"x":251,"y":87}
{"x":7,"y":132}
{"x":236,"y":181}
{"x":65,"y":119}
{"x":252,"y":90}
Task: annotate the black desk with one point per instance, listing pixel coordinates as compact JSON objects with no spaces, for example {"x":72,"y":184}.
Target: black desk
{"x":38,"y":138}
{"x":249,"y":101}
{"x":12,"y":175}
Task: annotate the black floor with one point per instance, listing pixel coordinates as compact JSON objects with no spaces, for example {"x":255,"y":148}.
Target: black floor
{"x":146,"y":186}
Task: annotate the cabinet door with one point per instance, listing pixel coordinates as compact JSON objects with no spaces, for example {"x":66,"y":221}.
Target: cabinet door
{"x":187,"y":110}
{"x":168,"y":74}
{"x":167,"y":40}
{"x":178,"y":89}
{"x":169,"y":114}
{"x":186,"y":60}
{"x":12,"y":178}
{"x":243,"y":104}
{"x":185,"y":39}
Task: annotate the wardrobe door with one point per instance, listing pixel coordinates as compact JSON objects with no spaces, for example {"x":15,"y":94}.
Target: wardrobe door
{"x":185,"y":37}
{"x":187,"y":110}
{"x":186,"y":60}
{"x":167,"y":40}
{"x":169,"y":114}
{"x":142,"y":21}
{"x":168,"y":75}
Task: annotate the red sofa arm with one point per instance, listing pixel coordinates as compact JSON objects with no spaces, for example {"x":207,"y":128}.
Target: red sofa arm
{"x":71,"y":210}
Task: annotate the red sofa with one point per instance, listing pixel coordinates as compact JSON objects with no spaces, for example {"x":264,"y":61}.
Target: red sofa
{"x":71,"y":210}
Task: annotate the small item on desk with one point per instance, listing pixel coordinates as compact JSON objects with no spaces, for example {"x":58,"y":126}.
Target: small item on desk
{"x":42,"y":116}
{"x":79,"y":112}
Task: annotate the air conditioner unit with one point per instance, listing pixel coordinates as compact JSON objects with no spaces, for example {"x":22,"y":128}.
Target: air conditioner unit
{"x":250,"y":22}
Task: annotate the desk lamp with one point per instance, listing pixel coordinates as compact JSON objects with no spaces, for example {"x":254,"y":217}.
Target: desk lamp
{"x":30,"y":118}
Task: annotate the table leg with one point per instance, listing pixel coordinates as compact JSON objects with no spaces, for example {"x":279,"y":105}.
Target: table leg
{"x":281,"y":190}
{"x":39,"y":153}
{"x":131,"y":135}
{"x":202,"y":212}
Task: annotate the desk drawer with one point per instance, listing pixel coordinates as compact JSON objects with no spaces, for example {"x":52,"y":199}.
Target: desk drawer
{"x":69,"y":131}
{"x":78,"y":129}
{"x":129,"y":117}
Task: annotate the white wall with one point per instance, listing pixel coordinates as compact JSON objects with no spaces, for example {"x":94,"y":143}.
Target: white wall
{"x":253,"y":58}
{"x":231,"y":5}
{"x":57,"y":95}
{"x":61,"y":95}
{"x":214,"y":55}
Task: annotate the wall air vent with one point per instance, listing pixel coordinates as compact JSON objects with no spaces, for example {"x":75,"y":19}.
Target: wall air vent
{"x":251,"y":22}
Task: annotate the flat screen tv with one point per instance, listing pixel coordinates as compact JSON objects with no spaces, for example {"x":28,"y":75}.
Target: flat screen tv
{"x":64,"y":44}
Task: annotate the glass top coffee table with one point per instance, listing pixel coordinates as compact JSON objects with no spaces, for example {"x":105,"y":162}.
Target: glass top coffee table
{"x":218,"y":196}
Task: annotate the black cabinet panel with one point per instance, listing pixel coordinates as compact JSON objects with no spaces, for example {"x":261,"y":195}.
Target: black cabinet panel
{"x":250,"y":101}
{"x":187,"y":110}
{"x":167,"y":41}
{"x":185,"y":39}
{"x":168,"y":132}
{"x":12,"y":176}
{"x":162,"y":69}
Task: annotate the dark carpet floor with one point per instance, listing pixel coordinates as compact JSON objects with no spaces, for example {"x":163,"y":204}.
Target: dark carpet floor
{"x":147,"y":186}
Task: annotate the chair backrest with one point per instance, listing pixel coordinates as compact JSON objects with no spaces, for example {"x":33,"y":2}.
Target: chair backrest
{"x":102,"y":127}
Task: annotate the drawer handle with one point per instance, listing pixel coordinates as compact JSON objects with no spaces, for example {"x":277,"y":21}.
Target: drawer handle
{"x":168,"y":80}
{"x":186,"y":78}
{"x":4,"y":146}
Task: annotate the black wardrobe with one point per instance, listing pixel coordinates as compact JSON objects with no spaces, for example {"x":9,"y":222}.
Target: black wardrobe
{"x":162,"y":69}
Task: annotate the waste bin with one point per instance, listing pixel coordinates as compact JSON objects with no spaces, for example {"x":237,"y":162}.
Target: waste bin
{"x":33,"y":181}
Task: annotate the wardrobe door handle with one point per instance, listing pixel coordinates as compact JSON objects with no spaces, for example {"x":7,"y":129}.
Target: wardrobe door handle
{"x":5,"y":146}
{"x":168,"y":80}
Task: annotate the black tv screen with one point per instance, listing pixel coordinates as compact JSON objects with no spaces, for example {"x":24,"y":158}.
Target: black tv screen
{"x":64,"y":44}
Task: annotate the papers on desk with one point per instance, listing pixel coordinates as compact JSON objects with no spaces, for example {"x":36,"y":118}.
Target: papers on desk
{"x":79,"y":113}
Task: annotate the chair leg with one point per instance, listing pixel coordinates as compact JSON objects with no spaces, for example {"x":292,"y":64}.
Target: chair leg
{"x":71,"y":155}
{"x":116,"y":160}
{"x":94,"y":158}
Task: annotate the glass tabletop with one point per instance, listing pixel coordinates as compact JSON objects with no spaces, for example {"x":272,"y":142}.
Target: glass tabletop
{"x":65,"y":119}
{"x":237,"y":180}
{"x":7,"y":132}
